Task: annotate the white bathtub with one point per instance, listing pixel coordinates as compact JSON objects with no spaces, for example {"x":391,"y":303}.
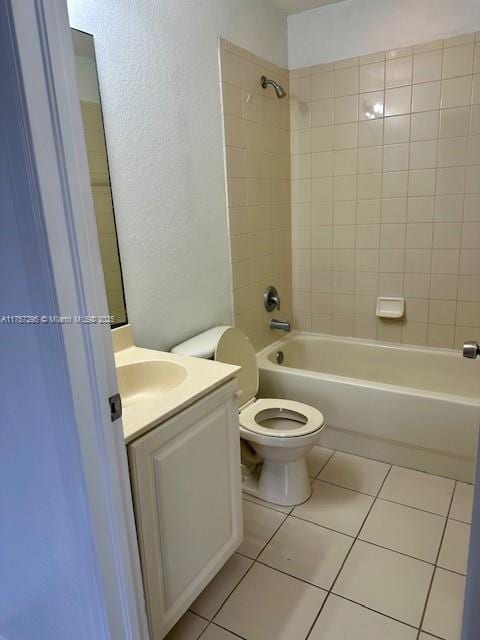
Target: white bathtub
{"x":412,"y":406}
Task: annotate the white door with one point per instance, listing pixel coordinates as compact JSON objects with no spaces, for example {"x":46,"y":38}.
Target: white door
{"x":68,"y":555}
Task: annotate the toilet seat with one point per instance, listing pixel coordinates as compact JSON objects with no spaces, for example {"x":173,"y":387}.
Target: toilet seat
{"x":269,"y":418}
{"x":279,"y":412}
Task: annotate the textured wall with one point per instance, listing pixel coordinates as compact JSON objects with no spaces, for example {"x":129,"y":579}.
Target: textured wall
{"x":389,"y":206}
{"x":158,"y":72}
{"x":257,"y":139}
{"x":358,"y":27}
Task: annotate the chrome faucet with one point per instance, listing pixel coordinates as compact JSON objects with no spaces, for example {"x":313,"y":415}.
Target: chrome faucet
{"x":280,"y":324}
{"x":271,"y":299}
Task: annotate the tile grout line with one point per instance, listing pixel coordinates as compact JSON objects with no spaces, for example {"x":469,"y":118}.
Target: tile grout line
{"x":392,"y":464}
{"x":354,"y":539}
{"x":363,"y":524}
{"x":214,"y":624}
{"x":327,"y":591}
{"x":267,"y":505}
{"x":347,"y":556}
{"x":334,"y":451}
{"x":346,"y":535}
{"x":422,"y":619}
{"x":376,"y":498}
{"x":254,"y":561}
{"x":432,"y":513}
{"x":245,"y":496}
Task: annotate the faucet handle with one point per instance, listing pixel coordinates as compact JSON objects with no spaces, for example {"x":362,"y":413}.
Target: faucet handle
{"x":271,"y":299}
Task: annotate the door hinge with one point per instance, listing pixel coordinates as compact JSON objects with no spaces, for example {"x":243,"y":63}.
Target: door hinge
{"x":115,"y":403}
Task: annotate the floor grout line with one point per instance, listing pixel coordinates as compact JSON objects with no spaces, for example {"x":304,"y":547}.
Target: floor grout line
{"x":325,"y":463}
{"x":433,"y":513}
{"x":341,"y":486}
{"x":353,"y":539}
{"x":380,"y":613}
{"x":254,"y":561}
{"x":374,"y":544}
{"x":392,"y":464}
{"x":422,"y":619}
{"x":323,"y":526}
{"x":330,"y":591}
{"x":215,"y":624}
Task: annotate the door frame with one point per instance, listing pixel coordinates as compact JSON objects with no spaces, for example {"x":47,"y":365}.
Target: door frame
{"x":45,"y":70}
{"x":52,"y":119}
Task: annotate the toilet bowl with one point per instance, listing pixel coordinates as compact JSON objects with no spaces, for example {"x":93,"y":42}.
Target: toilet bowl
{"x":281,"y":432}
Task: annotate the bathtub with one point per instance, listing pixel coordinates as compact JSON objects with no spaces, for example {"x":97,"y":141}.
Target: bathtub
{"x":412,"y":406}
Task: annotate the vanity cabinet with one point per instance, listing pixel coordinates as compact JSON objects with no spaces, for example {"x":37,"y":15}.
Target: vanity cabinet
{"x":186,"y":487}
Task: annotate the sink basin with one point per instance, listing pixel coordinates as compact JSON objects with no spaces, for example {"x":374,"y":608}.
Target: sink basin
{"x":141,"y":382}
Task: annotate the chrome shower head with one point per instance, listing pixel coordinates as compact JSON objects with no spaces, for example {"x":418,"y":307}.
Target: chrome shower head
{"x":279,"y":90}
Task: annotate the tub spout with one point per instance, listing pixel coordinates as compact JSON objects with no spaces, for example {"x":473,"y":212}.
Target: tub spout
{"x":280,"y":324}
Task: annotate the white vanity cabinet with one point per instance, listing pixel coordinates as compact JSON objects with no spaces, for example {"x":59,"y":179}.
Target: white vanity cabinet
{"x":187,"y":495}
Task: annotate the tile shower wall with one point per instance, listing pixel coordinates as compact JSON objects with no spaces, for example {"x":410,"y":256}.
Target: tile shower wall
{"x":257,"y":151}
{"x":386,"y":193}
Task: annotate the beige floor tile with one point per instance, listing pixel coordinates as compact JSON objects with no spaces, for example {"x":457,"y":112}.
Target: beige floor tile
{"x":454,"y":551}
{"x":307,"y":551}
{"x":268,"y":605}
{"x":335,"y":507}
{"x":189,"y":627}
{"x":462,"y":503}
{"x":217,"y":633}
{"x":344,"y":620}
{"x":443,"y":616}
{"x":353,"y":472}
{"x":316,"y":459}
{"x":417,"y":489}
{"x":385,"y":581}
{"x":214,"y":595}
{"x":404,"y":529}
{"x":426,"y":636}
{"x":259,"y":525}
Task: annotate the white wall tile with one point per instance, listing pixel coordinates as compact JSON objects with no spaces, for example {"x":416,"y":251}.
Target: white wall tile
{"x":387,"y":196}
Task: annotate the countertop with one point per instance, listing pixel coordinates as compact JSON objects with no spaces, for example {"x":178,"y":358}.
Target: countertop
{"x":203,"y":376}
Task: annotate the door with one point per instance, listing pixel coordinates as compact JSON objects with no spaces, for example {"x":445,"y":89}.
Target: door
{"x":68,"y":555}
{"x":471,"y":610}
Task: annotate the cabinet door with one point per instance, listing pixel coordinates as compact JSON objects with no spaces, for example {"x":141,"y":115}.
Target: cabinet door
{"x":187,"y":495}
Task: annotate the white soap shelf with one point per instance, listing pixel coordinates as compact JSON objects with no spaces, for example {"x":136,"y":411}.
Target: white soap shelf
{"x":392,"y":308}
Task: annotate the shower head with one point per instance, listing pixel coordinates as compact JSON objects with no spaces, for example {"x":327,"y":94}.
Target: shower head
{"x":279,"y":90}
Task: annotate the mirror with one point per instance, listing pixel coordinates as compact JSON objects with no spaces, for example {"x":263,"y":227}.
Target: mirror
{"x":88,"y":90}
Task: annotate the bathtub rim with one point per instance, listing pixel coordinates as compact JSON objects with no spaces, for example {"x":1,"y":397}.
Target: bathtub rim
{"x":265,"y":363}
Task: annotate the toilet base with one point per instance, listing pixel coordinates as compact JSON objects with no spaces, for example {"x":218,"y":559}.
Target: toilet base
{"x":283,"y":483}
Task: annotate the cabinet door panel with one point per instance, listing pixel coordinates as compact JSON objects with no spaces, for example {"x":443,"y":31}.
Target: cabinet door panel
{"x":186,"y":485}
{"x":193,"y":500}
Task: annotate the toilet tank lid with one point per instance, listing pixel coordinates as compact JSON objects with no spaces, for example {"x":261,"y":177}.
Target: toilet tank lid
{"x":201,"y":346}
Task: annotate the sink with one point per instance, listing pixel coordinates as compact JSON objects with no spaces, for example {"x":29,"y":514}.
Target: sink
{"x":145,"y":381}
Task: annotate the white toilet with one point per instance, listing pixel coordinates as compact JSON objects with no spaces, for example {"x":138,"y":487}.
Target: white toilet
{"x":281,"y":432}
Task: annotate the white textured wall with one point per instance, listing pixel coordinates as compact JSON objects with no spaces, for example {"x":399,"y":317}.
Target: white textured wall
{"x":357,"y":27}
{"x":159,"y":81}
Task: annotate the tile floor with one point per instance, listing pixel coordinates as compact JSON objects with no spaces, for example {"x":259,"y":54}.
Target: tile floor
{"x":378,"y":552}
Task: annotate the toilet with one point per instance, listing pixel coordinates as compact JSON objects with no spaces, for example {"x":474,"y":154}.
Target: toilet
{"x":281,"y":432}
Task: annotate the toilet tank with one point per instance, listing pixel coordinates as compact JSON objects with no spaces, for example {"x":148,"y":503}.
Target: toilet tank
{"x":201,"y":346}
{"x":229,"y":345}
